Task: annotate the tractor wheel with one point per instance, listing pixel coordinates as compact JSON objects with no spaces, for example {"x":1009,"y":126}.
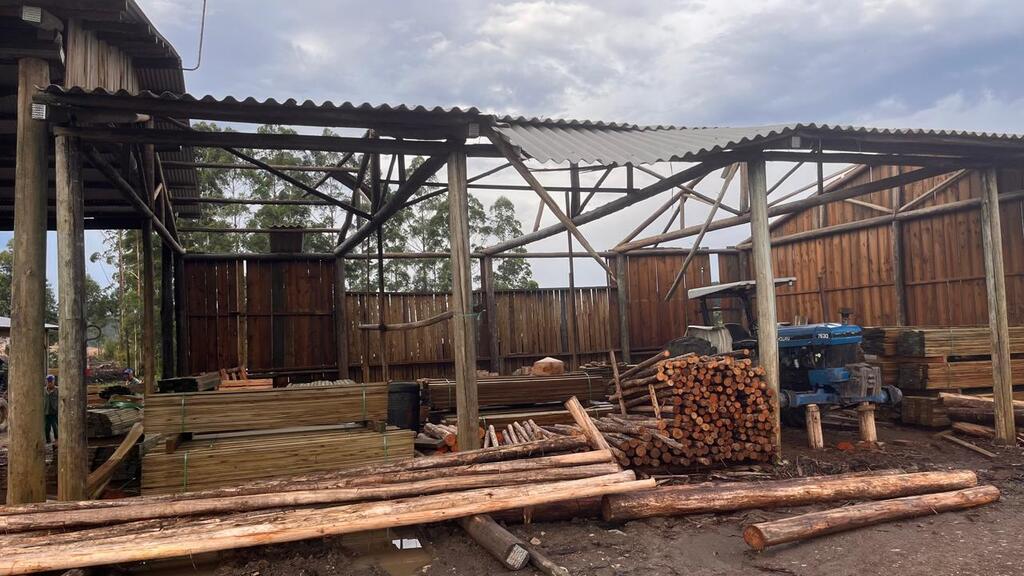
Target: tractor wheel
{"x":3,"y":415}
{"x":688,"y":344}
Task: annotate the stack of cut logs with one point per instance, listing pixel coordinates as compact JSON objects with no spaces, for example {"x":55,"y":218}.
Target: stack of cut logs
{"x":690,"y":410}
{"x":510,"y":435}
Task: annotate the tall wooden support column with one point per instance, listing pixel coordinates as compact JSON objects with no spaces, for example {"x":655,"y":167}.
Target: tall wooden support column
{"x":899,"y":280}
{"x":148,"y":276}
{"x":341,"y":316}
{"x":572,"y":328}
{"x":168,"y":363}
{"x":180,"y":317}
{"x":72,"y":461}
{"x":26,"y":480}
{"x":767,"y":327}
{"x":491,"y":303}
{"x":995,"y":283}
{"x":464,"y":340}
{"x":622,"y":290}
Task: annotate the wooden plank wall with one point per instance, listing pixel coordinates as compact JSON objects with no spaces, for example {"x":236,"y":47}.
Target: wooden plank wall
{"x":942,"y":257}
{"x":92,"y":63}
{"x":277,"y":316}
{"x":652,"y":320}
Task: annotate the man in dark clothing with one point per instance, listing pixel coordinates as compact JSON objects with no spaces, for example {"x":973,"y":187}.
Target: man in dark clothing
{"x":50,"y":408}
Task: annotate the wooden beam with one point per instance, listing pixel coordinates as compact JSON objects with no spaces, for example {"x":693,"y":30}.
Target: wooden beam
{"x":615,"y":205}
{"x":341,"y":317}
{"x":128,"y":192}
{"x":435,"y":319}
{"x":148,"y":273}
{"x":622,"y":293}
{"x":26,"y":456}
{"x":941,"y":161}
{"x":273,"y":141}
{"x":523,"y":171}
{"x":230,"y":166}
{"x":839,"y":173}
{"x":216,"y":230}
{"x":700,"y":235}
{"x":778,"y":183}
{"x":180,"y":317}
{"x":491,"y":305}
{"x":796,"y":206}
{"x":868,"y":205}
{"x":899,"y":278}
{"x":72,"y":459}
{"x":464,"y":324}
{"x":767,"y":327}
{"x":995,"y":285}
{"x":572,"y":327}
{"x":394,"y":204}
{"x":690,"y":191}
{"x":931,"y":191}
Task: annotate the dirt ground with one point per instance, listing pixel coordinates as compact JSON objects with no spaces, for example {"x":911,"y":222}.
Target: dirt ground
{"x":981,"y":541}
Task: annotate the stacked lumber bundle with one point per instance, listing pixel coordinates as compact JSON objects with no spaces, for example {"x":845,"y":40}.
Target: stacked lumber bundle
{"x":216,"y":461}
{"x":946,"y":374}
{"x":960,"y":341}
{"x":403,"y":493}
{"x":880,"y":341}
{"x":711,"y":408}
{"x":925,"y":411}
{"x":107,"y":422}
{"x":240,"y":385}
{"x":977,"y":409}
{"x":518,"y":390}
{"x":199,"y":412}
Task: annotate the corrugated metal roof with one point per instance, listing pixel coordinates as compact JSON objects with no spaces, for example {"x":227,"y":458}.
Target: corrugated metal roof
{"x":549,"y":140}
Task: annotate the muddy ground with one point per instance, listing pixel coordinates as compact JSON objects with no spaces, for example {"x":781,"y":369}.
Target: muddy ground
{"x":982,"y":541}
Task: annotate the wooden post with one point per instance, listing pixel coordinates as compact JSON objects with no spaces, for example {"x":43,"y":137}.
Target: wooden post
{"x":181,"y":317}
{"x":995,"y":283}
{"x":26,"y":480}
{"x":767,"y":327}
{"x":168,"y":365}
{"x":72,"y":462}
{"x":815,"y":439}
{"x":341,"y":317}
{"x":490,"y":301}
{"x":622,"y":290}
{"x":898,"y":277}
{"x":571,"y":199}
{"x":148,"y":273}
{"x":868,"y":432}
{"x":464,"y":340}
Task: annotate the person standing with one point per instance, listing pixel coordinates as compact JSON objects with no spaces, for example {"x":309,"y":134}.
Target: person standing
{"x":50,"y":408}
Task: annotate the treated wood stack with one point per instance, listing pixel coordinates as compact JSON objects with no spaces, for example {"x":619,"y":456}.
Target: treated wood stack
{"x":959,"y":341}
{"x":519,"y":390}
{"x":407,"y":492}
{"x":923,"y":411}
{"x":250,"y":384}
{"x":199,"y":412}
{"x":107,"y":422}
{"x":944,"y":374}
{"x":215,"y":461}
{"x":710,"y":408}
{"x":880,"y":341}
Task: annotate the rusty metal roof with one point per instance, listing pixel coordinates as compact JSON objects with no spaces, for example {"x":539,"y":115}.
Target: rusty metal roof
{"x":548,"y":140}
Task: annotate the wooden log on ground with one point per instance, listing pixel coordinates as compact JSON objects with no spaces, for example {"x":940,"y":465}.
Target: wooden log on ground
{"x":593,"y":435}
{"x":645,"y":364}
{"x":500,"y":543}
{"x":150,"y":540}
{"x":711,"y":498}
{"x":553,"y":512}
{"x":764,"y":534}
{"x":544,"y":564}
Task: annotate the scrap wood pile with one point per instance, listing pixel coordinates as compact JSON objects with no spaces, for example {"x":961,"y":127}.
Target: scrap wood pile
{"x":948,"y":408}
{"x":63,"y":535}
{"x":512,"y":434}
{"x":689,"y":410}
{"x":918,"y":359}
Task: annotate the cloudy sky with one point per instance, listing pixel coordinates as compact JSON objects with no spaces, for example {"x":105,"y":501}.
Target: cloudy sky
{"x":934,"y":64}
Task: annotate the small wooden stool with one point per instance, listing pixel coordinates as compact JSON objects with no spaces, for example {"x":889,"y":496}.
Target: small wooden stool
{"x":815,"y":439}
{"x":868,"y":433}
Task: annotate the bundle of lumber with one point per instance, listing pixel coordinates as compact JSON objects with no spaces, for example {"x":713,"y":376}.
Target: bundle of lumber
{"x":519,"y":390}
{"x":880,"y":341}
{"x":406,"y":492}
{"x":946,"y":374}
{"x":544,"y":414}
{"x":107,"y":422}
{"x":959,"y":341}
{"x":198,"y":412}
{"x":202,"y":382}
{"x":710,"y":408}
{"x":251,"y":384}
{"x":977,"y":409}
{"x":923,"y":411}
{"x":212,"y":461}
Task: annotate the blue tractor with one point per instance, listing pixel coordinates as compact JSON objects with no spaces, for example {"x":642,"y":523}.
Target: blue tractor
{"x":819,"y":364}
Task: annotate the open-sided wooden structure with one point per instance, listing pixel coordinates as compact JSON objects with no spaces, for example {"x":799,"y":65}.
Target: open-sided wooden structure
{"x":123,"y":138}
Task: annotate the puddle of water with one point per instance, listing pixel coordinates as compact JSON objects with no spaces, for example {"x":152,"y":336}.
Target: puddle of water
{"x":396,"y":552}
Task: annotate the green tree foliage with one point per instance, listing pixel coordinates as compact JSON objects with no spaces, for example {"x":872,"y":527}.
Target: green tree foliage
{"x":510,"y":272}
{"x":6,"y":269}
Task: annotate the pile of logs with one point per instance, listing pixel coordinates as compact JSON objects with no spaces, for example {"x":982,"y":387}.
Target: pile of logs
{"x":510,"y":435}
{"x":407,"y":492}
{"x":691,"y":410}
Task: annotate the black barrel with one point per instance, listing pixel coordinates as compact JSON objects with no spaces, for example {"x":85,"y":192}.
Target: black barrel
{"x":404,"y":405}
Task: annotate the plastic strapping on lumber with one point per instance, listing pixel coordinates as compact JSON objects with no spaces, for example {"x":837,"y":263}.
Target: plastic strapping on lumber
{"x":590,"y":392}
{"x":363,"y":388}
{"x":385,"y":444}
{"x":449,"y":385}
{"x":183,"y":414}
{"x":184,"y":473}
